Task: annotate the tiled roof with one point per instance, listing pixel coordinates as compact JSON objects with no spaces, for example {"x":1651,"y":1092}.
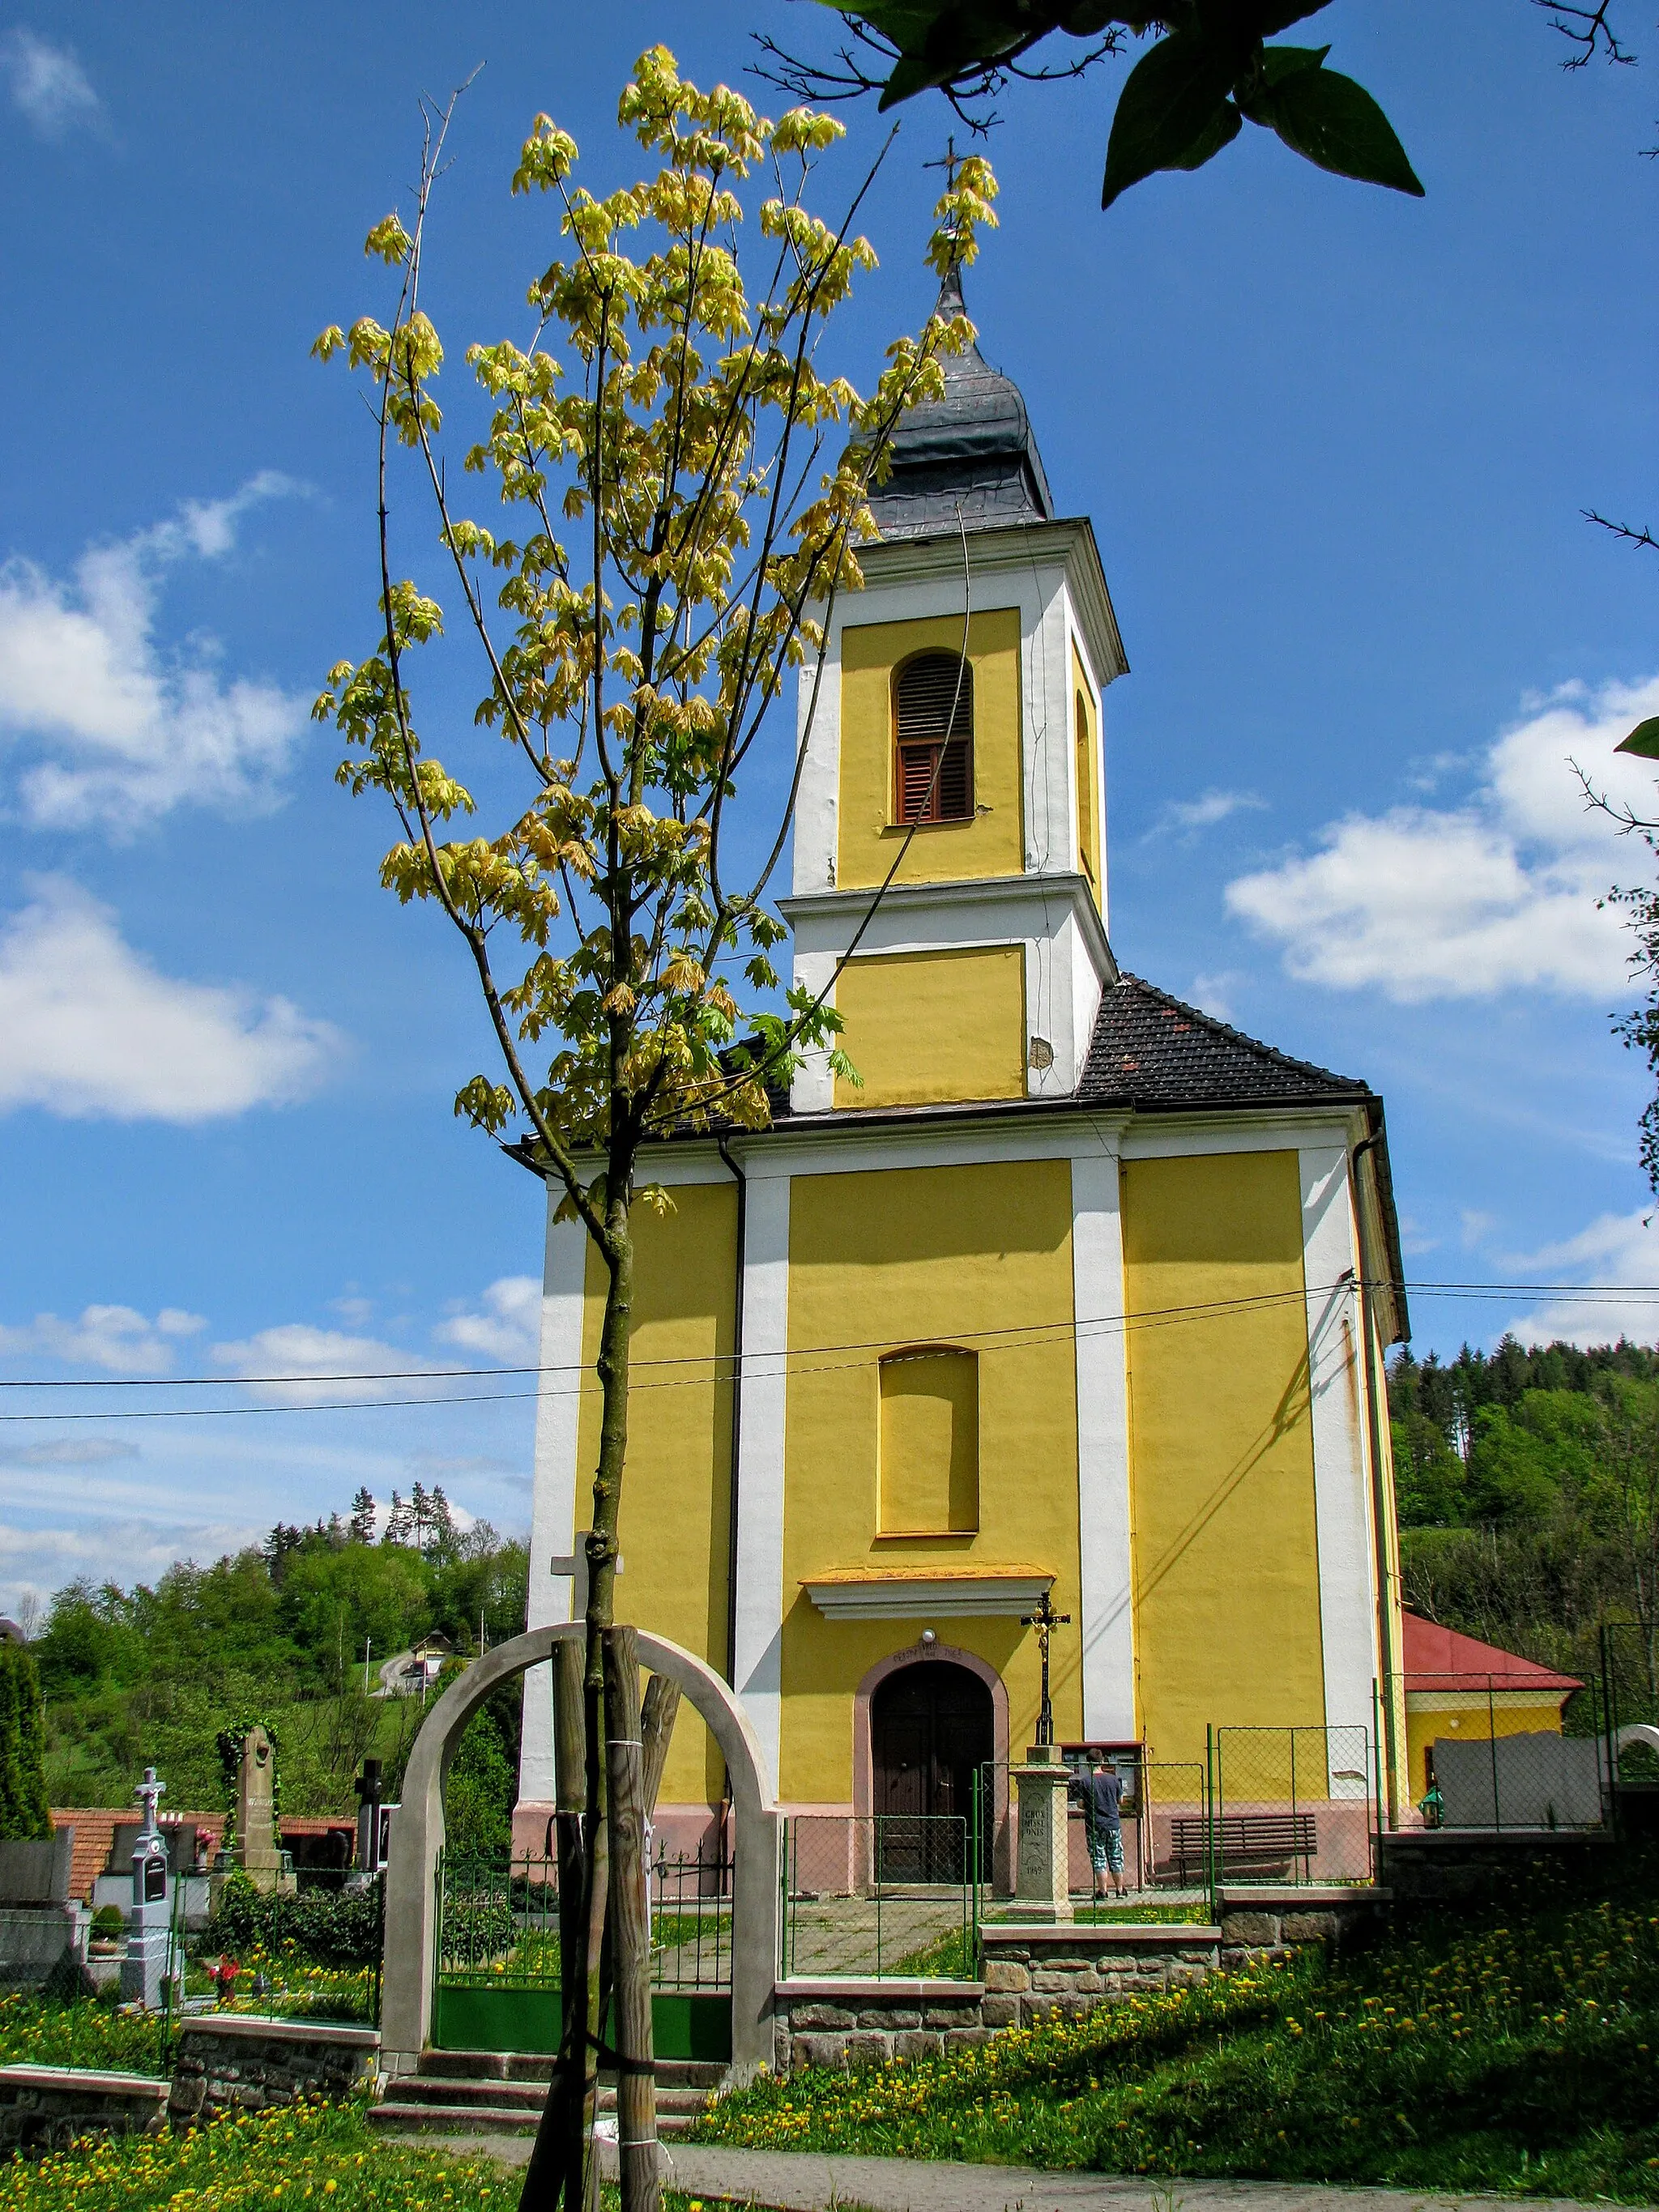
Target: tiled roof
{"x":95,"y":1828}
{"x":1438,"y":1658}
{"x":1150,"y":1050}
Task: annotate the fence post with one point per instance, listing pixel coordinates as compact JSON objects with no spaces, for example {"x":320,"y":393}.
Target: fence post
{"x":1491,"y":1743}
{"x":1209,"y":1762}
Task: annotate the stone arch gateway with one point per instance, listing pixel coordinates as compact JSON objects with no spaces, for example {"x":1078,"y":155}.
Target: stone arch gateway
{"x":417,"y":1835}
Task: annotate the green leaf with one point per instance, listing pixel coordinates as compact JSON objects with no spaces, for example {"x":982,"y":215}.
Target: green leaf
{"x":1225,"y":127}
{"x":1170,"y":105}
{"x":1278,"y":63}
{"x":1335,"y":124}
{"x":1643,"y":739}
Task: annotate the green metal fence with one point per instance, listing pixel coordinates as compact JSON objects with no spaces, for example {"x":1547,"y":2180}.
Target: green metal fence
{"x":879,"y":1895}
{"x":1290,"y":1805}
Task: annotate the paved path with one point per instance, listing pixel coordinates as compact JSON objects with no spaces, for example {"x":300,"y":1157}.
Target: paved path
{"x":804,"y":2181}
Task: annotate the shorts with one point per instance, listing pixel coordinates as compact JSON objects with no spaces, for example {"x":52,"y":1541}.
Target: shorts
{"x":1106,"y":1849}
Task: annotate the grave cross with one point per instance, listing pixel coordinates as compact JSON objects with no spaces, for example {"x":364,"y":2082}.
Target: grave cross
{"x":149,"y":1793}
{"x":1045,"y":1620}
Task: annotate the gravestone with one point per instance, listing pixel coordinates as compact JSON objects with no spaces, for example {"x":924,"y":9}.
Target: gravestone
{"x":151,"y":1914}
{"x":255,"y":1850}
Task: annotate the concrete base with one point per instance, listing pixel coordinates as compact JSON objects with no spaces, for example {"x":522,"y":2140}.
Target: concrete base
{"x":46,"y":2108}
{"x":1042,"y":1889}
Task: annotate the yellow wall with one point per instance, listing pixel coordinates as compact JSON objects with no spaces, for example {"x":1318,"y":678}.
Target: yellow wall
{"x":1227,"y":1625}
{"x":1465,"y":1719}
{"x":993,"y":842}
{"x":881,"y":1260}
{"x":930,"y":1028}
{"x":677,"y":1486}
{"x":1085,"y":741}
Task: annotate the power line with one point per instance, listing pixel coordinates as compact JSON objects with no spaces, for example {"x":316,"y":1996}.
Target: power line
{"x":718,"y":1367}
{"x":1572,"y":1293}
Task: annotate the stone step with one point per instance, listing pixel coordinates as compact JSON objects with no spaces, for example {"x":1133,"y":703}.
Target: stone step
{"x":517,"y":2066}
{"x":484,"y":2119}
{"x":428,"y":2092}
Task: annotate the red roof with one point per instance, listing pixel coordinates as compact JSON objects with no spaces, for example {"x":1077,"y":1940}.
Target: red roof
{"x":95,"y":1828}
{"x":1438,"y":1658}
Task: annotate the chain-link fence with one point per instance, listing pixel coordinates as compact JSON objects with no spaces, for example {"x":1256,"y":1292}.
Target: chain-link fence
{"x":880,"y":1895}
{"x":1294,"y":1805}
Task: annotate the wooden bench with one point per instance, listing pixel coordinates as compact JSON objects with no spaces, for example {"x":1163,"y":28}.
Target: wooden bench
{"x":1244,"y":1840}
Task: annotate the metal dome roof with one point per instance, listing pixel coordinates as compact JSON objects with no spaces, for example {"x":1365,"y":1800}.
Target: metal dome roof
{"x":967,"y":460}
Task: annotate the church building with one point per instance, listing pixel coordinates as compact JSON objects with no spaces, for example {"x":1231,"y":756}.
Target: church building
{"x":1076,"y":1291}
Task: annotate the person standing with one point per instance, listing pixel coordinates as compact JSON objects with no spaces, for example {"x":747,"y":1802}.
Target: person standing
{"x":1102,"y":1791}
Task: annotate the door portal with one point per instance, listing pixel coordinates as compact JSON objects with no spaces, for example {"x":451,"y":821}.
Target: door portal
{"x":931,"y":1731}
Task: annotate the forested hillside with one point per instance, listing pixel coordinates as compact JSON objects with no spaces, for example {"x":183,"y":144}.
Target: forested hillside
{"x":278,"y":1633}
{"x":1528,"y":1491}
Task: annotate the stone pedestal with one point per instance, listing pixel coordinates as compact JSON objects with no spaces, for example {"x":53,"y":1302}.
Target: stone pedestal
{"x":1042,"y":1878}
{"x":145,"y":1965}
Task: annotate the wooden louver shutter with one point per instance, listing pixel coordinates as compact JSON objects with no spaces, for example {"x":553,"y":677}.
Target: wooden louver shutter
{"x":934,"y":704}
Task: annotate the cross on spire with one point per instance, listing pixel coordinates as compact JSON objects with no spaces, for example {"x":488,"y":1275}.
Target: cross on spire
{"x":949,"y":161}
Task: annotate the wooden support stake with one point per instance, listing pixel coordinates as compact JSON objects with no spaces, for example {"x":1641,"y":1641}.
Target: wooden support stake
{"x":551,"y":2159}
{"x":662,"y":1705}
{"x":630,"y":1925}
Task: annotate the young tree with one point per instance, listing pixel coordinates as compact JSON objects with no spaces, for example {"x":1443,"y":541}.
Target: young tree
{"x":681,"y":526}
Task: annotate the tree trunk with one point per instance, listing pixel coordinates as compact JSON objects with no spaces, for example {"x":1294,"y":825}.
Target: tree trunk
{"x":630,"y":1926}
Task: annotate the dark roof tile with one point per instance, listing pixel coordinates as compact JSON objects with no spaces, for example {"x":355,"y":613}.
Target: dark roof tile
{"x":1150,"y":1050}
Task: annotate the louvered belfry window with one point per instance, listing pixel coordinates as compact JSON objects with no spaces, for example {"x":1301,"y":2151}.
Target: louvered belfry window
{"x":933,"y":709}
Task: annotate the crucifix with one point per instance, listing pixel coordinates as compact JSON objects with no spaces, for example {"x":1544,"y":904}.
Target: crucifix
{"x":1045,"y":1620}
{"x":949,"y":161}
{"x":149,"y":1793}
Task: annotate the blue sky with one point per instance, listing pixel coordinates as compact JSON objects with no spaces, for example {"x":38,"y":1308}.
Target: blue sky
{"x":1335,"y":445}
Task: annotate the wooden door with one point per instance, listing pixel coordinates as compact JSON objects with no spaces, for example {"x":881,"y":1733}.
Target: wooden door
{"x":931,"y":1727}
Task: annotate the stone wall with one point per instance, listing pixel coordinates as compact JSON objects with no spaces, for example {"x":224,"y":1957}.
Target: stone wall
{"x":1033,"y":1973}
{"x":1457,"y":1866}
{"x":46,"y":2108}
{"x":231,"y":2061}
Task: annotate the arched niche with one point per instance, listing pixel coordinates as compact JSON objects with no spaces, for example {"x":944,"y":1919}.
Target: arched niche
{"x":417,"y":1835}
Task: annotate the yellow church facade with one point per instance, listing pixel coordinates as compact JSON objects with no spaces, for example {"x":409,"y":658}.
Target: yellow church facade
{"x":1076,"y":1290}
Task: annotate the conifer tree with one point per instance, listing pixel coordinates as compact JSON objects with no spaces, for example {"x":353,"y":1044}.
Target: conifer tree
{"x":25,"y":1813}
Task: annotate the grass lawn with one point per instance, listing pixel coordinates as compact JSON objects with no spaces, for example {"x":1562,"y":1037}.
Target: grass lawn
{"x":1491,"y":2052}
{"x":304,"y":2160}
{"x":44,"y":2033}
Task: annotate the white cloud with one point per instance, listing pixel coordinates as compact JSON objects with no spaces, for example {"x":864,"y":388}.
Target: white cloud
{"x":47,"y":83}
{"x":1206,"y":810}
{"x":74,"y":1451}
{"x":88,"y":1026}
{"x":117,"y":1338}
{"x":1617,"y":1252}
{"x":1496,"y":894}
{"x":119,"y":734}
{"x":508,"y":1330}
{"x":1213,"y":994}
{"x":317,"y":1357}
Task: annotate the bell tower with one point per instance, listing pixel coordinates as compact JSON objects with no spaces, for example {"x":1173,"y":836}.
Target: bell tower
{"x":959,"y":709}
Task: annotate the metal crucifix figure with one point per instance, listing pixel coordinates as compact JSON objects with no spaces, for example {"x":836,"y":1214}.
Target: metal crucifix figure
{"x":1045,"y":1620}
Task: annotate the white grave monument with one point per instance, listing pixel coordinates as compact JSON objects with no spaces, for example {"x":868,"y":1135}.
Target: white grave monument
{"x":145,"y":1965}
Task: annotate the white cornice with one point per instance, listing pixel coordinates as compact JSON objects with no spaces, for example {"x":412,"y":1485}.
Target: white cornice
{"x":1069,"y":544}
{"x":984,"y":896}
{"x":993,"y":1595}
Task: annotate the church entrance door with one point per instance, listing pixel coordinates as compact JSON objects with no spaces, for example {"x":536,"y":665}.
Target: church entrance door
{"x":932,"y":1732}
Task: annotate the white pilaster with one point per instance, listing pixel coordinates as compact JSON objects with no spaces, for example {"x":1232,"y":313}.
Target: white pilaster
{"x":553,"y":1506}
{"x":758,"y":1669}
{"x":1347,"y":1603}
{"x":1107,"y":1629}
